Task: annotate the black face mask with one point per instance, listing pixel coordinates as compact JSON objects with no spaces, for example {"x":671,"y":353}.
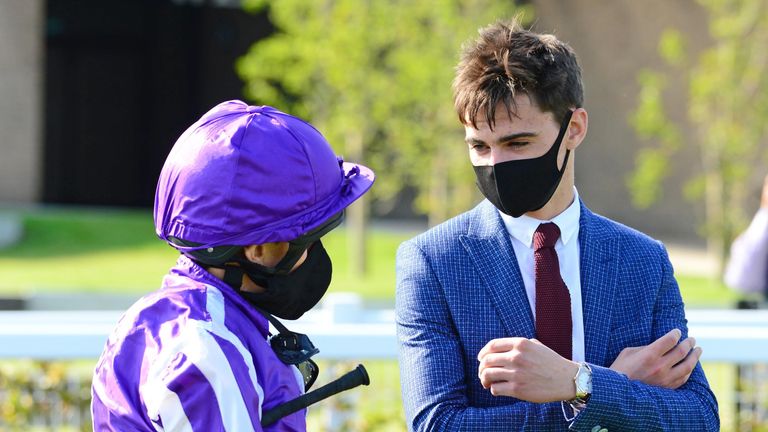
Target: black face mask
{"x":287,"y":296}
{"x":518,"y":186}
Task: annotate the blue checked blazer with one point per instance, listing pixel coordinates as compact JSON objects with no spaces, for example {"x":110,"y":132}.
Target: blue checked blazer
{"x":459,"y":286}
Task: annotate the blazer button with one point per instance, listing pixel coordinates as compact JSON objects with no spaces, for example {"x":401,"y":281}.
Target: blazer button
{"x":598,"y":428}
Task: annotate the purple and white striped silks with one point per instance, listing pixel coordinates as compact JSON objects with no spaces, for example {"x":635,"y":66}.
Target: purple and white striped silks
{"x":192,"y":356}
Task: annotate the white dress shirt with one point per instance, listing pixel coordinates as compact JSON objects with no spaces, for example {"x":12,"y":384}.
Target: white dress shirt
{"x":567,"y":247}
{"x":746,"y":270}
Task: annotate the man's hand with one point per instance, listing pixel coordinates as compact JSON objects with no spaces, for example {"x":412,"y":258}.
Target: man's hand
{"x":526,"y":369}
{"x":663,"y":363}
{"x":764,"y":196}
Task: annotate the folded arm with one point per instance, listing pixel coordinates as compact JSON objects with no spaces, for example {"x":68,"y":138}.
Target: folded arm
{"x":433,"y":376}
{"x":622,"y":403}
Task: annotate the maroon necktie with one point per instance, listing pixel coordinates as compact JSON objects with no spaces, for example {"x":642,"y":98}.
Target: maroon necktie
{"x":553,"y":302}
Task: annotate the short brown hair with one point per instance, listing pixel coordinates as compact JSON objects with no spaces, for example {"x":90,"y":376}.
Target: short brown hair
{"x":506,"y":59}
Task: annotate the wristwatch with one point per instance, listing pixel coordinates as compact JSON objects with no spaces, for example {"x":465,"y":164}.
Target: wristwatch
{"x":583,"y":381}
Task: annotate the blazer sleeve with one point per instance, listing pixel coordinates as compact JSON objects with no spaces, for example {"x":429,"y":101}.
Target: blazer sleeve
{"x":618,"y":403}
{"x":432,"y":373}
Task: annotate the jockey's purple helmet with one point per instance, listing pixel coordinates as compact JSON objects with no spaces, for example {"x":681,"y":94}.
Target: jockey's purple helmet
{"x":244,"y":175}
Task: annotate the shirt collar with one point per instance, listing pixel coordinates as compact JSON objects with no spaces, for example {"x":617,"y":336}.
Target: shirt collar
{"x":523,"y":227}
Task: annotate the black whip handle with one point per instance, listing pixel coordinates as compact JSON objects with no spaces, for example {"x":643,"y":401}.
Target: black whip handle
{"x":355,"y":377}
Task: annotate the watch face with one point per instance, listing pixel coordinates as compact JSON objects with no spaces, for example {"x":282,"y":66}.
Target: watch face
{"x":583,"y":381}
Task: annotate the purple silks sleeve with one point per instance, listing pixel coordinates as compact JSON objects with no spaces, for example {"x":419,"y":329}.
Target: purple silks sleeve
{"x":192,"y":356}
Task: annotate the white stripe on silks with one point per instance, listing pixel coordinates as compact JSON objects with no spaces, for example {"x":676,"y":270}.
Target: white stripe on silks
{"x":215,"y":307}
{"x":170,"y":412}
{"x":98,"y":389}
{"x":153,"y":388}
{"x":204,"y":352}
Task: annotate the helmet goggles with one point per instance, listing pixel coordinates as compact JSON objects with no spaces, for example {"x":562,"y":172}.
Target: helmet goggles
{"x":216,"y":256}
{"x":297,"y":246}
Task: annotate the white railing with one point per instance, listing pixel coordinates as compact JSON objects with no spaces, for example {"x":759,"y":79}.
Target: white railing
{"x":343,"y":330}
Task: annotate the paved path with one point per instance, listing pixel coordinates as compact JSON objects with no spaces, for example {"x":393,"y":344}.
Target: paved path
{"x":10,"y":228}
{"x":692,"y":261}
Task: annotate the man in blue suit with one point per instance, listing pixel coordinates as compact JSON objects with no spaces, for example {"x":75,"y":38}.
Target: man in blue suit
{"x":530,"y":312}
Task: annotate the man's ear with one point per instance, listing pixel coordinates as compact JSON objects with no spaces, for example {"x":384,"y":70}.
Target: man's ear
{"x":254,"y":253}
{"x":577,"y":129}
{"x":267,"y":254}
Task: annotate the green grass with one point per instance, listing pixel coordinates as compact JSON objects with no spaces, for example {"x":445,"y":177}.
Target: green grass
{"x":82,"y":250}
{"x":701,"y":291}
{"x":85,"y":251}
{"x":118,"y":252}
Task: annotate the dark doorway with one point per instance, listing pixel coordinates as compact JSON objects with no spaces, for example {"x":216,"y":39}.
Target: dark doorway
{"x":123,"y":80}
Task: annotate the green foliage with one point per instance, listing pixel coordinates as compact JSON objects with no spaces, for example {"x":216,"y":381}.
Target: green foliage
{"x":373,"y":408}
{"x":645,"y":184}
{"x":649,"y":120}
{"x":672,"y":47}
{"x":375,"y":77}
{"x":377,"y":408}
{"x":727,"y":105}
{"x":44,"y":396}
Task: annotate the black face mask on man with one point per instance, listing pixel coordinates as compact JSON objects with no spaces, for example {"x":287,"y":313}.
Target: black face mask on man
{"x":519,"y":186}
{"x":290,"y":295}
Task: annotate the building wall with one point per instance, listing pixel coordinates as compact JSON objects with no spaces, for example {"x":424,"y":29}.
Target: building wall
{"x":614,"y":41}
{"x":123,"y":80}
{"x":21,"y":59}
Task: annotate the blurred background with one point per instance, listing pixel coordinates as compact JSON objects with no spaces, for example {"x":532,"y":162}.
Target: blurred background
{"x":93,"y":94}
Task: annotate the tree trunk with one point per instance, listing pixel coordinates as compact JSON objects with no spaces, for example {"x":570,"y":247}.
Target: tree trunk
{"x":438,"y":190}
{"x":713,"y":205}
{"x":356,"y":214}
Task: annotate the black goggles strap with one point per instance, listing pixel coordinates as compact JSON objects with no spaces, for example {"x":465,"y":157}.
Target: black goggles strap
{"x":290,"y":347}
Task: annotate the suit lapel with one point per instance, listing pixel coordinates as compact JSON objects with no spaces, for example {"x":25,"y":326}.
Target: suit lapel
{"x":488,"y":245}
{"x":598,"y":250}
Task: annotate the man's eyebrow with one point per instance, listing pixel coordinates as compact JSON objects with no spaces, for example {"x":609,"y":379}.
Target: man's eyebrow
{"x":518,"y":135}
{"x":505,"y":138}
